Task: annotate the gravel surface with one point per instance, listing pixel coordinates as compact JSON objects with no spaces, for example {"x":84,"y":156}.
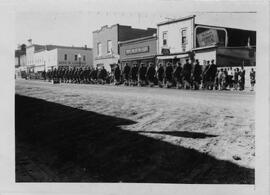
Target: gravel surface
{"x":108,"y":133}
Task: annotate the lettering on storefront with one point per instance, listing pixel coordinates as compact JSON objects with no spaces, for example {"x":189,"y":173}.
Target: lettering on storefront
{"x":206,"y":38}
{"x":68,"y":63}
{"x":137,"y":50}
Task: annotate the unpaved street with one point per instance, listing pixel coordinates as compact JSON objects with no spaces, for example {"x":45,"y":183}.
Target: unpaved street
{"x":129,"y":134}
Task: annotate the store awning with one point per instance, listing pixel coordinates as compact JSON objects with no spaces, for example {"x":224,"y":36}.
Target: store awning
{"x":172,"y":56}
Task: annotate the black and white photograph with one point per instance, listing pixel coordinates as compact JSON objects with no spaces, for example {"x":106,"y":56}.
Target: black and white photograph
{"x":137,"y":92}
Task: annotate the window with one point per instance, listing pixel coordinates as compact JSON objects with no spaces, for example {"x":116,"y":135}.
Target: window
{"x":99,"y":49}
{"x":109,"y":46}
{"x":65,"y":56}
{"x":76,"y":56}
{"x":83,"y":58}
{"x":184,"y":36}
{"x":165,"y":37}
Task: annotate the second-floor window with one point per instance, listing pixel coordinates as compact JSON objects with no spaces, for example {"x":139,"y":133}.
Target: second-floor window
{"x":164,"y":38}
{"x":75,"y":57}
{"x":109,"y":46}
{"x":65,"y":56}
{"x":99,"y":53}
{"x":184,"y":36}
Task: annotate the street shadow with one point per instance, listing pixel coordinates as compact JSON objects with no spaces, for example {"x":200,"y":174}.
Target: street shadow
{"x":75,"y":145}
{"x":185,"y":134}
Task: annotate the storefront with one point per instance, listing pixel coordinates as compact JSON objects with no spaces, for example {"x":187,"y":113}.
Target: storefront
{"x":137,"y":51}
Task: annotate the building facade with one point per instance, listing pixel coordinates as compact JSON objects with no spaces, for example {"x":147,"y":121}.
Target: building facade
{"x":106,"y":43}
{"x":47,"y":57}
{"x":182,"y":39}
{"x":175,"y":39}
{"x":141,"y":50}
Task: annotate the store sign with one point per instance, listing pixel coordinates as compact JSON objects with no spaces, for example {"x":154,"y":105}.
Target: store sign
{"x":68,"y":63}
{"x":209,"y":37}
{"x":137,"y":50}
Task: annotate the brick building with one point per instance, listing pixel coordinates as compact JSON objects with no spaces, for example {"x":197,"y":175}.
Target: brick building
{"x":106,"y":42}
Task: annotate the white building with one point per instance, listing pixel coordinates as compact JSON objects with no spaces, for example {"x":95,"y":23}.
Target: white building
{"x":45,"y":57}
{"x":183,"y":38}
{"x":175,"y":38}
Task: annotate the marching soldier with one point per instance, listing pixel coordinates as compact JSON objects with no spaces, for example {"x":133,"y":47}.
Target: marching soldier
{"x":102,"y":75}
{"x":117,"y":75}
{"x":142,"y":74}
{"x":196,"y":75}
{"x":125,"y":73}
{"x":205,"y":76}
{"x":187,"y":74}
{"x":160,"y":75}
{"x":134,"y":74}
{"x":177,"y":75}
{"x":169,"y":75}
{"x":150,"y":74}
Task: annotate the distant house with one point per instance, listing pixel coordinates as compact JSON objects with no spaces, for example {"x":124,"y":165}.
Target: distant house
{"x":106,"y":43}
{"x":46,"y":57}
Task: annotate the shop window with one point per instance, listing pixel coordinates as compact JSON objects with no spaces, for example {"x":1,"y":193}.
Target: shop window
{"x":109,"y":46}
{"x":76,"y":57}
{"x":65,"y":56}
{"x":165,"y":37}
{"x":99,"y":49}
{"x":184,"y":36}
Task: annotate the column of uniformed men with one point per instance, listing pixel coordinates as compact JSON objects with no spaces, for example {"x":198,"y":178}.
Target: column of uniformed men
{"x":186,"y":76}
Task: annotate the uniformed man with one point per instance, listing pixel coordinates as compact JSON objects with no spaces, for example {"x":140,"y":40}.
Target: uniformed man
{"x":187,"y":74}
{"x":117,"y":75}
{"x":205,"y":76}
{"x":134,"y":74}
{"x":102,"y":75}
{"x":160,"y":75}
{"x":142,"y":75}
{"x":196,"y":75}
{"x":125,"y":74}
{"x":169,"y":75}
{"x":177,"y":75}
{"x":212,"y":74}
{"x":150,"y":74}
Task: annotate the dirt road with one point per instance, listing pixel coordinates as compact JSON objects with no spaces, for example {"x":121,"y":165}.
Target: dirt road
{"x":113,"y":133}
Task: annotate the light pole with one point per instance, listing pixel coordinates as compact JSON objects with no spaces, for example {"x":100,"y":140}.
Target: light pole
{"x":79,"y":56}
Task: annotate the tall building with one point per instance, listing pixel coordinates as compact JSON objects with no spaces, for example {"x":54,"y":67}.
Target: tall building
{"x":106,"y":43}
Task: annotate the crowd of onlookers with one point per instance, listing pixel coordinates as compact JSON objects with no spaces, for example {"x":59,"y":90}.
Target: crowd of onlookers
{"x":171,"y":75}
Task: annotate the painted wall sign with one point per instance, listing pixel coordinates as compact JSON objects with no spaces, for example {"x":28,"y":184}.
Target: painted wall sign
{"x":206,"y":38}
{"x":68,"y":63}
{"x":137,"y":50}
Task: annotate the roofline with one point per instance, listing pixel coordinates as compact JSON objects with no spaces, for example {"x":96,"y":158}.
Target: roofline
{"x":138,"y":39}
{"x":176,"y":20}
{"x":63,"y":47}
{"x":206,"y":25}
{"x":105,"y":26}
{"x":32,"y":45}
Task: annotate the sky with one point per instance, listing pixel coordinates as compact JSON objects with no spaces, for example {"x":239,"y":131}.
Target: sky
{"x":66,"y":22}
